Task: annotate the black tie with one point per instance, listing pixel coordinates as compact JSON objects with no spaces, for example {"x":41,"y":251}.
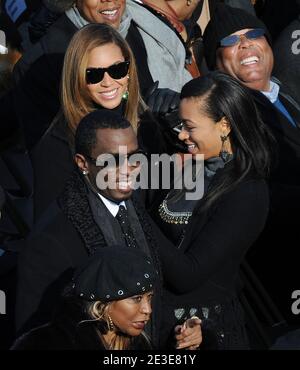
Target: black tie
{"x":122,"y":217}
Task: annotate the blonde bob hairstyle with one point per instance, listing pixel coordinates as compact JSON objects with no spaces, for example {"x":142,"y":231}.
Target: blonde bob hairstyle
{"x":75,"y":99}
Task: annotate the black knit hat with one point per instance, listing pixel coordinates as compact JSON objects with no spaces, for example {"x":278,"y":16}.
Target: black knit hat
{"x":225,"y":21}
{"x":114,"y":273}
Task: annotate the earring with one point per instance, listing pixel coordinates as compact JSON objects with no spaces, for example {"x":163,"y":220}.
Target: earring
{"x":111,"y":326}
{"x":84,"y":172}
{"x":189,"y":2}
{"x":224,"y":154}
{"x":125,"y":95}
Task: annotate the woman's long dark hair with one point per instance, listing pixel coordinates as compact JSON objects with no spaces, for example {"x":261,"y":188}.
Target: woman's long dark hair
{"x":251,"y":141}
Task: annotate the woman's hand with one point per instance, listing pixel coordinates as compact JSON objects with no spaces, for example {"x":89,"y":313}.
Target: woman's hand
{"x":189,"y":335}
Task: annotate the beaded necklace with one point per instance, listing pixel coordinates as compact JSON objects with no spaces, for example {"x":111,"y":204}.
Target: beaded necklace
{"x":173,"y":217}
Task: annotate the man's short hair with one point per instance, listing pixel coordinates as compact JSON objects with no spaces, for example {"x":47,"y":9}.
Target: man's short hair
{"x":85,"y":137}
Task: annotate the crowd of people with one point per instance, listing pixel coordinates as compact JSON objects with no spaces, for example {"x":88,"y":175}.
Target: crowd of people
{"x":95,"y":90}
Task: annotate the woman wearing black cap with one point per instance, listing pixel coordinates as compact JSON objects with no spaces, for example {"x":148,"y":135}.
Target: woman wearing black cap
{"x":106,"y":307}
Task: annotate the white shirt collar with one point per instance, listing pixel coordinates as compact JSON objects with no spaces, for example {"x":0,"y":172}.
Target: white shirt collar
{"x":111,"y":206}
{"x":272,"y":94}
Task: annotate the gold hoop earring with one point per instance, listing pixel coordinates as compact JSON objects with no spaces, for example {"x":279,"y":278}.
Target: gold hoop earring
{"x":111,"y":326}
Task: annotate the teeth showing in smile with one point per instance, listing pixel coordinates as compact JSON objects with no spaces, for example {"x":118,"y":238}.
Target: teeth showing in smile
{"x":250,"y":60}
{"x":109,"y":94}
{"x":125,"y":185}
{"x":192,"y":146}
{"x":110,"y":13}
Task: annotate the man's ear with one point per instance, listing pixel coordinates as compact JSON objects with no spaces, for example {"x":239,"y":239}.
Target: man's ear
{"x":81,"y":163}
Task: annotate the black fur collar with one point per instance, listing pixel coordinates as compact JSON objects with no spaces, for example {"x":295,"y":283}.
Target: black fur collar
{"x":75,"y":205}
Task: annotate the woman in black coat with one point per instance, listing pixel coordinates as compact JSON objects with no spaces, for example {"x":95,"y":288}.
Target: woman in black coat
{"x":99,"y":73}
{"x":103,"y":308}
{"x":38,"y":73}
{"x":212,"y":235}
{"x":107,"y":307}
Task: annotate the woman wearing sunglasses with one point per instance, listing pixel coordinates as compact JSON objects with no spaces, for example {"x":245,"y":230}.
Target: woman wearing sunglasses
{"x":99,"y":72}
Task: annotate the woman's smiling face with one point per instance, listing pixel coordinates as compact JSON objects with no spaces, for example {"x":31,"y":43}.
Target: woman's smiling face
{"x":108,"y":92}
{"x":201,"y":133}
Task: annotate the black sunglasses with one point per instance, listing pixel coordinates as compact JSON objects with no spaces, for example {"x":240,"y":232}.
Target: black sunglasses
{"x":134,"y":159}
{"x":116,"y":71}
{"x":235,"y":39}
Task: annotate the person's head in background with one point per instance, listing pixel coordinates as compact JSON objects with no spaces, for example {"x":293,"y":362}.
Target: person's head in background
{"x":99,"y":71}
{"x":220,"y":118}
{"x":84,"y":11}
{"x":104,"y":11}
{"x":115,"y":296}
{"x":183,"y":8}
{"x":187,"y":12}
{"x":107,"y":133}
{"x":237,"y":43}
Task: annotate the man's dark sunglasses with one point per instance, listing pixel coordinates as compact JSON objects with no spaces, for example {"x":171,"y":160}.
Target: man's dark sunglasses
{"x":116,"y":71}
{"x":134,"y":159}
{"x":235,"y":39}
